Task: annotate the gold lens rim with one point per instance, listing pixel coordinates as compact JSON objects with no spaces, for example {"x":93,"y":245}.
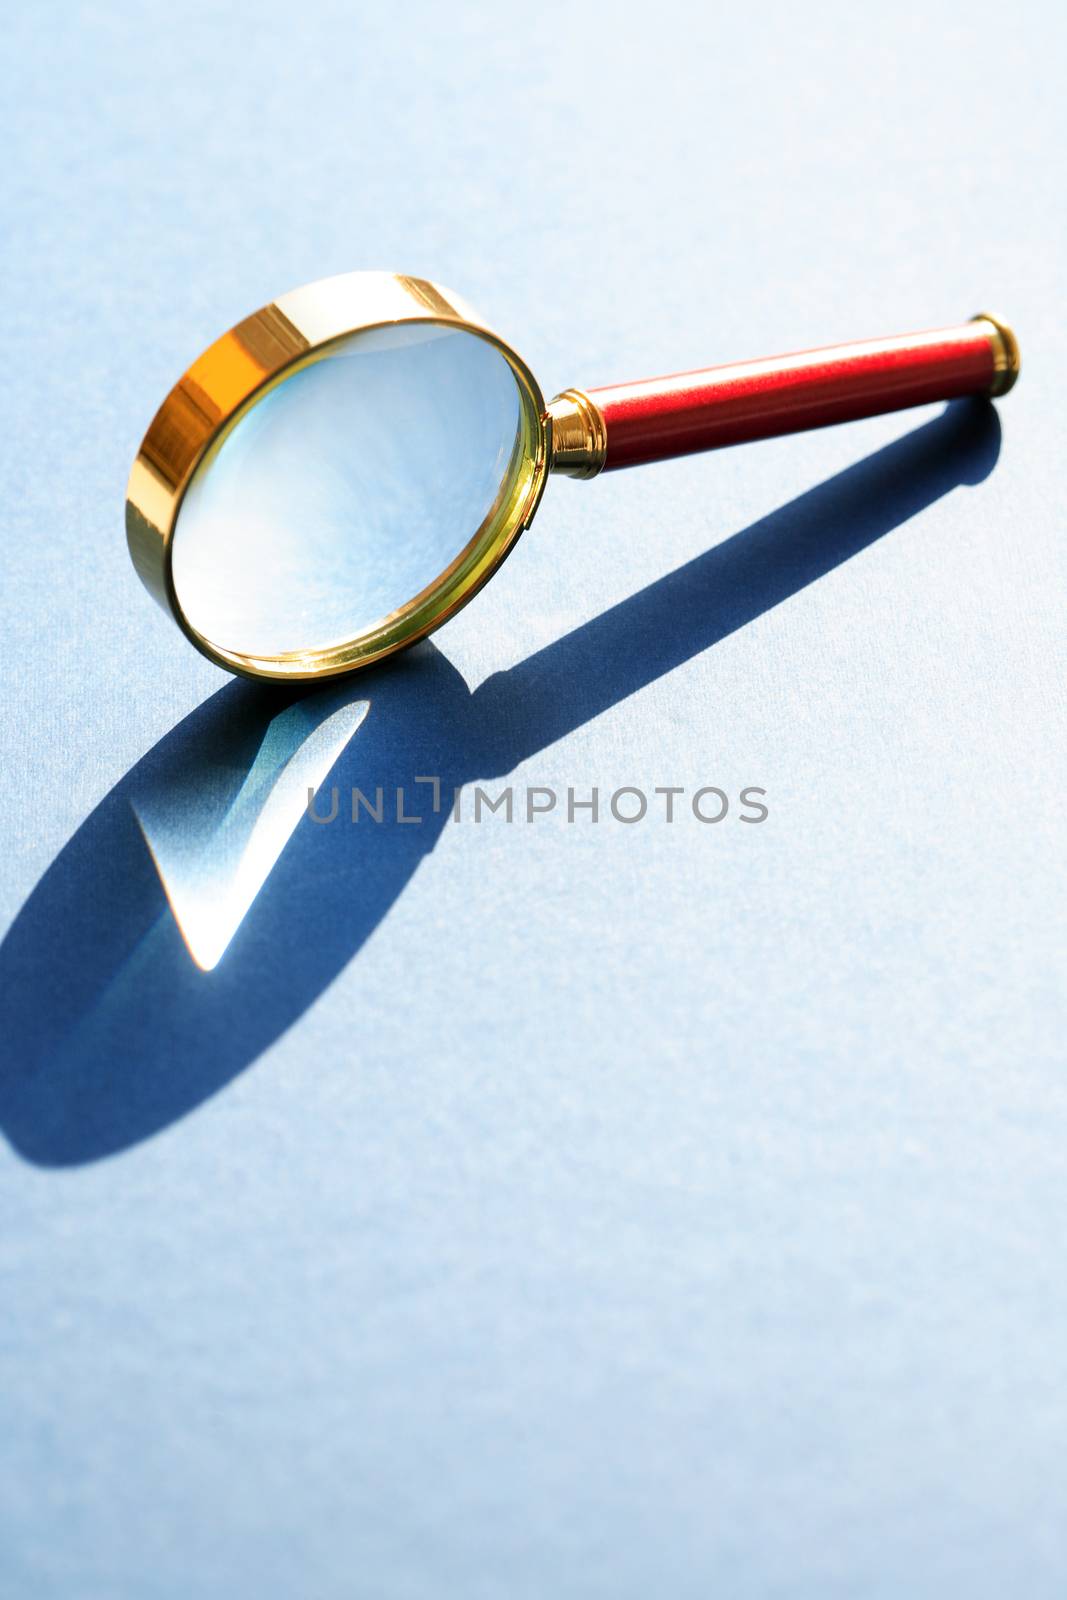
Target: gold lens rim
{"x":252,"y":358}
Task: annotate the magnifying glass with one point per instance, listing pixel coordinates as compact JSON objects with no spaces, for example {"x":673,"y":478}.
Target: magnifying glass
{"x":341,"y":472}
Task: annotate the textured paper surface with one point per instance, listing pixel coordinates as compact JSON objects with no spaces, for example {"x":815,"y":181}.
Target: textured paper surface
{"x":550,"y":1210}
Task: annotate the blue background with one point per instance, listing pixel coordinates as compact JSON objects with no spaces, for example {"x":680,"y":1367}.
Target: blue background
{"x":559,"y":1210}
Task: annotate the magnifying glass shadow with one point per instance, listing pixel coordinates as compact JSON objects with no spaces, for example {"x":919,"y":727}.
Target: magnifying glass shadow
{"x":112,"y":1032}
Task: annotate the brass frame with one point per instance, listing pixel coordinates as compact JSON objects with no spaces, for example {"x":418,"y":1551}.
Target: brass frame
{"x":252,"y":358}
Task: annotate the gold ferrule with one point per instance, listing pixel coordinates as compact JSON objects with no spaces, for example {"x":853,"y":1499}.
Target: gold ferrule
{"x":1005,"y":354}
{"x":579,"y":437}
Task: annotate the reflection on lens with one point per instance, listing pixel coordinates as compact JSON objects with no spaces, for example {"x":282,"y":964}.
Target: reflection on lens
{"x":346,"y":491}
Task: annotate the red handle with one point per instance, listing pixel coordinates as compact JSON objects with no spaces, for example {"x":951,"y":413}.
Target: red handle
{"x":661,"y":417}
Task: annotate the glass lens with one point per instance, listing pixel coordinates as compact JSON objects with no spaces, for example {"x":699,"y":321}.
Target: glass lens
{"x":346,"y":490}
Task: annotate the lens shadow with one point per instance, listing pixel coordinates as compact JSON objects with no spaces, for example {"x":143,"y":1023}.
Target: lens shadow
{"x":113,"y":1032}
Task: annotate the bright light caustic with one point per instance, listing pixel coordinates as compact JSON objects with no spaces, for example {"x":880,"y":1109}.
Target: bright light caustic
{"x":215,"y":846}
